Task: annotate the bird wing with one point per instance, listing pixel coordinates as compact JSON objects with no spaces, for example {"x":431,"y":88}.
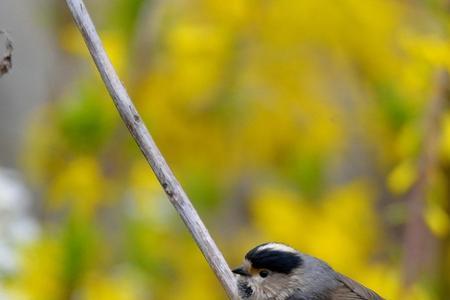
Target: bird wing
{"x":348,"y":289}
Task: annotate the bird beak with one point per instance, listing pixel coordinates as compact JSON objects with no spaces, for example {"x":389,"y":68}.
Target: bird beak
{"x":241,"y":271}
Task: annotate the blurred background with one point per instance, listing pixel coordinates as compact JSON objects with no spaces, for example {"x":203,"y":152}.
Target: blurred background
{"x":321,"y":124}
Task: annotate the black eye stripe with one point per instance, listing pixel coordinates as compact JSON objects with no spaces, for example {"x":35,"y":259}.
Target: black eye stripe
{"x":274,"y":260}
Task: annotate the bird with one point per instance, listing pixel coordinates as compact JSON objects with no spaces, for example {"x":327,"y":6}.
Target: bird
{"x":276,"y":271}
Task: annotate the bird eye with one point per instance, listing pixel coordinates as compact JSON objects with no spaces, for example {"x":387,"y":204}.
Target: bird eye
{"x":264,"y":273}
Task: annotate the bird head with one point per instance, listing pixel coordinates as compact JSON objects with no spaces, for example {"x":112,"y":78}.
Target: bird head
{"x":269,"y":271}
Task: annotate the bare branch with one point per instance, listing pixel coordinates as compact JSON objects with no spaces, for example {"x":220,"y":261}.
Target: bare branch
{"x":137,"y":128}
{"x":6,"y":61}
{"x":419,"y":242}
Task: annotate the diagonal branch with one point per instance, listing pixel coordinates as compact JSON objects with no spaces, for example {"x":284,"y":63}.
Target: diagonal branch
{"x":140,"y":133}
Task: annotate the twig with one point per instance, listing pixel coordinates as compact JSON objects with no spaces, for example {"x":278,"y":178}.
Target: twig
{"x":418,"y":239}
{"x":137,"y":128}
{"x":6,"y":61}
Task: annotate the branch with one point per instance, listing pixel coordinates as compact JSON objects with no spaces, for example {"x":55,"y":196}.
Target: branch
{"x":6,"y":61}
{"x":418,"y":241}
{"x":140,"y":133}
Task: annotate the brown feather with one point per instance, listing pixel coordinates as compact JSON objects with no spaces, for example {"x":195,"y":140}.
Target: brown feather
{"x":350,"y":289}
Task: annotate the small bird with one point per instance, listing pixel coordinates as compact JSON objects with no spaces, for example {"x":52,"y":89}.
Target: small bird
{"x":275,"y":271}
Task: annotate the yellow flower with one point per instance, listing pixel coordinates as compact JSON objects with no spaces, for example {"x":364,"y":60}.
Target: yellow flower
{"x":340,"y":228}
{"x":40,"y":275}
{"x":445,"y":139}
{"x":402,"y":177}
{"x":437,"y":219}
{"x":81,"y":184}
{"x":107,"y":287}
